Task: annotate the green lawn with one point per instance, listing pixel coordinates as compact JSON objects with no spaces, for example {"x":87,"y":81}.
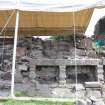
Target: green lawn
{"x":13,"y":102}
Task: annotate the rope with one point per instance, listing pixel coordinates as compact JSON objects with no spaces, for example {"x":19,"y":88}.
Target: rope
{"x":3,"y":44}
{"x":7,"y":22}
{"x":4,"y":36}
{"x":75,"y":55}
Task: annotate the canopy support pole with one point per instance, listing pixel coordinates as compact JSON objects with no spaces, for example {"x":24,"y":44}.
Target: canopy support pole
{"x":14,"y":55}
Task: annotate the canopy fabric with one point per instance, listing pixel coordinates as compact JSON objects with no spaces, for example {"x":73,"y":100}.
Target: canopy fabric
{"x":47,"y":17}
{"x":50,"y":5}
{"x":46,"y":23}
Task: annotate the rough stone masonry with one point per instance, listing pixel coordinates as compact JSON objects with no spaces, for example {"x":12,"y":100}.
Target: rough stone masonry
{"x":46,"y":68}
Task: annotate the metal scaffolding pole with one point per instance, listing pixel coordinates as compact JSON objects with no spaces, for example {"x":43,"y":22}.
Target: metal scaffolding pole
{"x":14,"y":55}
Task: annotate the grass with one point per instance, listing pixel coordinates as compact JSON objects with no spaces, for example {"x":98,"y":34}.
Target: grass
{"x":14,"y":102}
{"x":20,"y":94}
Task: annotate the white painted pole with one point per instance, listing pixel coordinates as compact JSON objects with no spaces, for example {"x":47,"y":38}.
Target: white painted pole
{"x":14,"y":55}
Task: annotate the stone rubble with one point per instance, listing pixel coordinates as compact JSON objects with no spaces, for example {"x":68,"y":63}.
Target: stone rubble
{"x":90,"y":101}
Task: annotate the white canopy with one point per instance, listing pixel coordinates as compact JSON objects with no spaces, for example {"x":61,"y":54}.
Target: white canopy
{"x":50,"y":5}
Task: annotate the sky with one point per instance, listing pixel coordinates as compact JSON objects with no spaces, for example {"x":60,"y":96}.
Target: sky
{"x":97,"y":14}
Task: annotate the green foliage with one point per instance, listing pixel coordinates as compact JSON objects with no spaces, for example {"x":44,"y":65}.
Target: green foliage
{"x":20,"y":94}
{"x":57,"y":38}
{"x":68,"y":103}
{"x":14,"y":102}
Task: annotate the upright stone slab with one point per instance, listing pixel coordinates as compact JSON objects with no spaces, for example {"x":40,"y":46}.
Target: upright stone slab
{"x":100,"y":72}
{"x":32,"y":71}
{"x":62,"y":75}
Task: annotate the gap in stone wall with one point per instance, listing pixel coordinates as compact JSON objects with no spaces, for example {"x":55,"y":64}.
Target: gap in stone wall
{"x":85,"y":74}
{"x":47,"y":74}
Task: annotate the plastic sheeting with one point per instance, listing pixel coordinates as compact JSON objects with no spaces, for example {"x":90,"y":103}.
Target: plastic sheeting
{"x":50,"y":5}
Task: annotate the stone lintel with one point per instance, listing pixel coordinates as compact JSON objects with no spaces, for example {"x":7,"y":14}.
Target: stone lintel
{"x":56,"y":62}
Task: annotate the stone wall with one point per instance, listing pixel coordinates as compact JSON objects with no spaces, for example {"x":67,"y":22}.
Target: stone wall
{"x":43,"y":67}
{"x":52,"y":49}
{"x":6,"y":52}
